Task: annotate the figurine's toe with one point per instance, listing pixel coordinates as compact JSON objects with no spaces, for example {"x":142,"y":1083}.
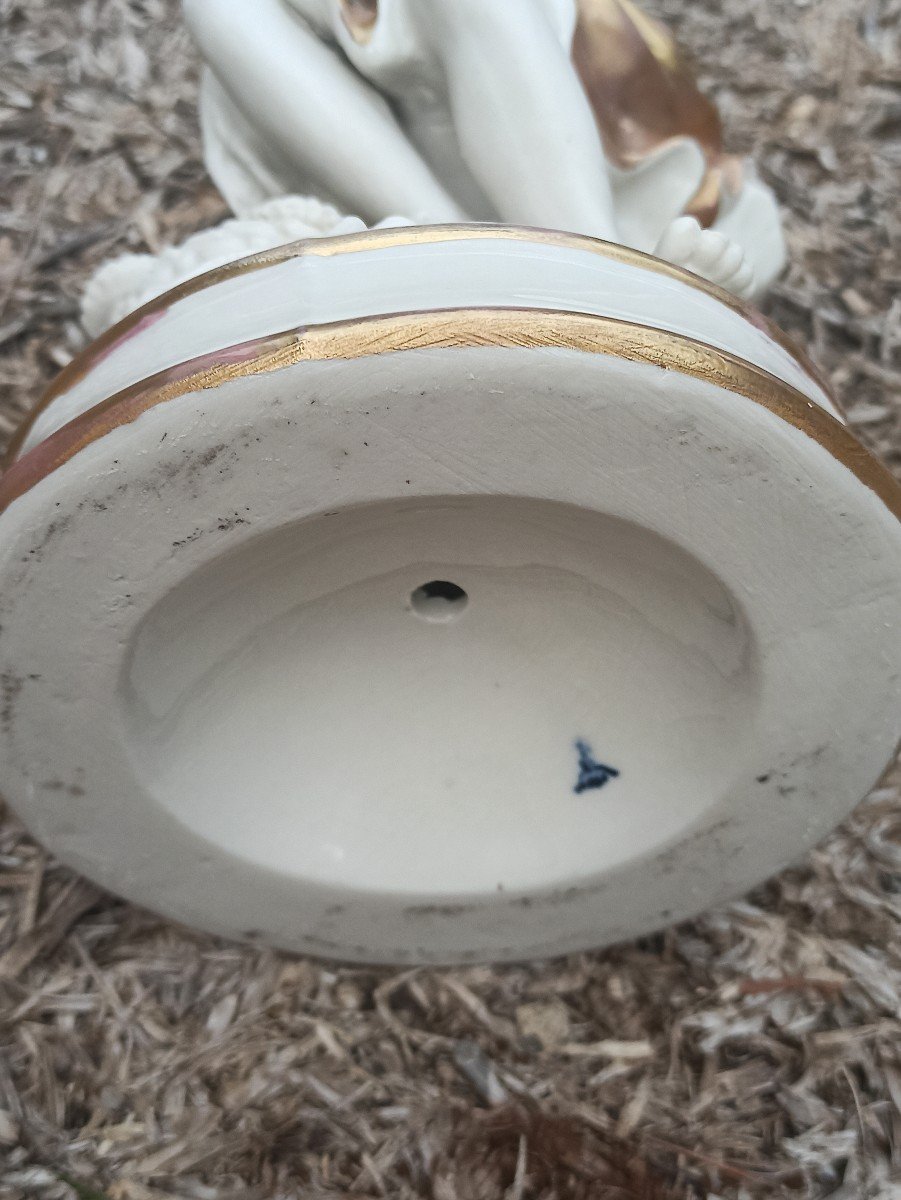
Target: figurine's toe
{"x":709,"y":253}
{"x":742,"y":283}
{"x":708,"y":256}
{"x":679,"y":240}
{"x":731,"y":262}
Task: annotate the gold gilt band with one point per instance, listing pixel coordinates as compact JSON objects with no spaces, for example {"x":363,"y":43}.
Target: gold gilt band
{"x":374,"y":239}
{"x":528,"y":329}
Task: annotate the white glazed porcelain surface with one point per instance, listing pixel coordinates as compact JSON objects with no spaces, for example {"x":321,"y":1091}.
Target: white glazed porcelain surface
{"x":126,"y":283}
{"x":400,"y":273}
{"x":676,"y":668}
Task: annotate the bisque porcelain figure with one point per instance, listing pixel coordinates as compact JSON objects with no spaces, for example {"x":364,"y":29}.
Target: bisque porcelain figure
{"x":475,"y":586}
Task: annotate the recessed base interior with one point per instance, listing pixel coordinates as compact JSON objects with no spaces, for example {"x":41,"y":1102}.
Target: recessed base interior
{"x":443,"y":697}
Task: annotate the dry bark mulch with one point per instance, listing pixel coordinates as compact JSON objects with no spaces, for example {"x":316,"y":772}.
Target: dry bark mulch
{"x":754,"y":1052}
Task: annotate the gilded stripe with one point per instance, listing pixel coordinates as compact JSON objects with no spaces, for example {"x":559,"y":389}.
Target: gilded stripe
{"x":373,"y":239}
{"x":499,"y":327}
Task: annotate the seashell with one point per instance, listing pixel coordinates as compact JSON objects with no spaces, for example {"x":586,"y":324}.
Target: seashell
{"x":439,"y":594}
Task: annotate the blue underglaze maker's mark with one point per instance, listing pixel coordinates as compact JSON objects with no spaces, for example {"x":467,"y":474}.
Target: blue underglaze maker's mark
{"x":592,"y":774}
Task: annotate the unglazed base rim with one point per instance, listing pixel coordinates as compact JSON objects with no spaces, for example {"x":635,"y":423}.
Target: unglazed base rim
{"x":669,"y":405}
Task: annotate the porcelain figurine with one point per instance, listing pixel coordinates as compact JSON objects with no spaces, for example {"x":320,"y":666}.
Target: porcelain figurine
{"x":655,"y":179}
{"x":453,"y":591}
{"x":381,"y":106}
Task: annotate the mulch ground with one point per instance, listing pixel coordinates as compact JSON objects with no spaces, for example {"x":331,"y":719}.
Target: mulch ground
{"x":754,"y":1052}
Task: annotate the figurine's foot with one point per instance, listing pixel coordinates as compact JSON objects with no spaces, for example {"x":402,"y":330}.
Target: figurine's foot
{"x":707,"y":253}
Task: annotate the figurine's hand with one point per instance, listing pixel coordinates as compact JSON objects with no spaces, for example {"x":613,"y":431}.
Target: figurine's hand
{"x":708,"y":253}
